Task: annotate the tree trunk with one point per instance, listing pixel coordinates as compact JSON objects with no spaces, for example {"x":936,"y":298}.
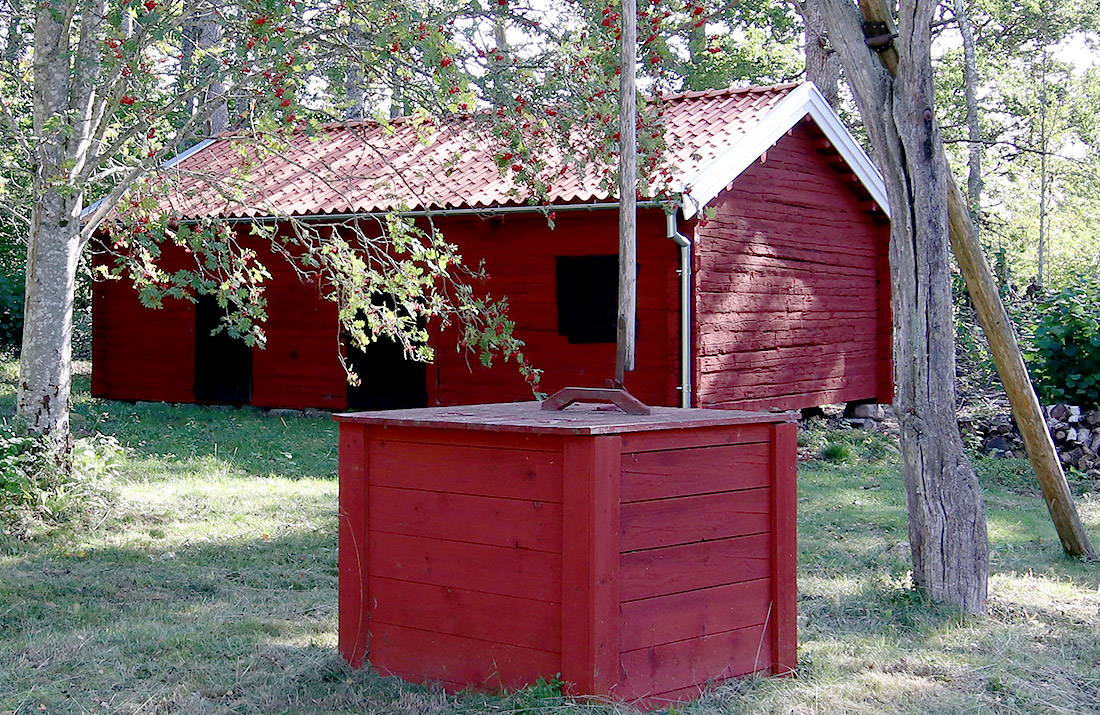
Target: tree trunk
{"x":46,"y":357}
{"x":974,"y":130}
{"x":210,"y":33}
{"x":54,"y":241}
{"x":947,"y":531}
{"x":628,"y":190}
{"x":822,"y":63}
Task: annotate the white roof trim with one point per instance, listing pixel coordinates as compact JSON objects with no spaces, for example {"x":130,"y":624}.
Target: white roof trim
{"x":708,"y":182}
{"x":91,"y":208}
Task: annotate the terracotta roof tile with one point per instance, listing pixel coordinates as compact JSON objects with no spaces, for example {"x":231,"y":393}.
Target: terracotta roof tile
{"x":365,"y":167}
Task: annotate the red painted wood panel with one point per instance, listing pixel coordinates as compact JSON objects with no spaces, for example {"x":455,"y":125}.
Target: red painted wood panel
{"x":471,"y":614}
{"x":792,"y":259}
{"x":682,"y":616}
{"x":142,"y":353}
{"x":675,"y":569}
{"x":590,"y":564}
{"x":666,"y":668}
{"x":352,"y":554}
{"x":299,"y":367}
{"x":519,"y":256}
{"x":449,"y":658}
{"x":669,"y":522}
{"x":784,"y":548}
{"x":525,"y":442}
{"x":664,"y":440}
{"x":488,"y":569}
{"x":657,"y":475}
{"x":505,"y":473}
{"x":515,"y":523}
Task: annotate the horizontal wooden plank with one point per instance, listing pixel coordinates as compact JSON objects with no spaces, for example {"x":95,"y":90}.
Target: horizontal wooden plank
{"x":488,"y":569}
{"x":771,"y":382}
{"x":440,"y":656}
{"x":705,"y":437}
{"x":470,"y":614}
{"x":494,"y":521}
{"x":782,"y":357}
{"x":684,"y":520}
{"x":646,"y":574}
{"x":718,"y":254}
{"x":457,"y":469}
{"x":702,"y":470}
{"x":736,"y":303}
{"x":798,"y":400}
{"x":682,"y":616}
{"x":673,"y":666}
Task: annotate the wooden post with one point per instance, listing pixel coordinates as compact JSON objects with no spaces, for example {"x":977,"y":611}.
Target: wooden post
{"x":784,"y":506}
{"x":1002,"y":342}
{"x":590,"y":564}
{"x":628,"y":182}
{"x":352,"y":554}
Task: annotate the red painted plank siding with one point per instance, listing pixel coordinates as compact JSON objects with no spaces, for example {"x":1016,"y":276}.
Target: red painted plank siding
{"x":145,"y":354}
{"x":522,"y":622}
{"x":299,"y":367}
{"x":141,"y":353}
{"x":431,"y":656}
{"x":633,"y":575}
{"x":519,"y":253}
{"x":791,"y":287}
{"x":663,"y":669}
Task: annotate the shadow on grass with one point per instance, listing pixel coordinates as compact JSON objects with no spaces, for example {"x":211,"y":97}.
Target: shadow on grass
{"x":234,"y":626}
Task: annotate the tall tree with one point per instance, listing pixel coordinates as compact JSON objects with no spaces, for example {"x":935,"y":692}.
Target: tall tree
{"x":947,"y":531}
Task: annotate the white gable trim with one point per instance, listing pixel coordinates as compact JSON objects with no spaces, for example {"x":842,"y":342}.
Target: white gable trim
{"x":806,"y":99}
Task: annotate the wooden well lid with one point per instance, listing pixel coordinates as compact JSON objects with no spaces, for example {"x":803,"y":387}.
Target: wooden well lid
{"x":578,"y":419}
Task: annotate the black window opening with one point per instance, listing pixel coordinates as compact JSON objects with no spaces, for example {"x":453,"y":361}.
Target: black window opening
{"x":588,"y":298}
{"x":223,"y":364}
{"x":388,"y":380}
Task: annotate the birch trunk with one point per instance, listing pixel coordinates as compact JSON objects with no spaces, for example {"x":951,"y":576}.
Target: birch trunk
{"x":947,"y":531}
{"x":62,"y":88}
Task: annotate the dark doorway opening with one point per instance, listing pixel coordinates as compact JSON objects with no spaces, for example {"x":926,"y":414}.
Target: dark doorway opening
{"x":387,"y":379}
{"x":223,"y":364}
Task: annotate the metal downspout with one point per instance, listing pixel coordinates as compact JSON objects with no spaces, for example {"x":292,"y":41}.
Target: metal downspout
{"x":685,"y":307}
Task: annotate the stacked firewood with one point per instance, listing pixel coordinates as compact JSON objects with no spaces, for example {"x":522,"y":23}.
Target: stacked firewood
{"x":1076,"y":435}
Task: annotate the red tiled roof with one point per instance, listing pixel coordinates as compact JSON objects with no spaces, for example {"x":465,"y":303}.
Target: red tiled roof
{"x":366,"y":167}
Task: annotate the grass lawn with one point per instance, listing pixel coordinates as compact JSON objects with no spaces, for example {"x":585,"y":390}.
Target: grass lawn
{"x":209,"y":586}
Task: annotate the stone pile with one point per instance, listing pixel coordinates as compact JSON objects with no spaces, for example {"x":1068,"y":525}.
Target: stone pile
{"x":1076,"y":435}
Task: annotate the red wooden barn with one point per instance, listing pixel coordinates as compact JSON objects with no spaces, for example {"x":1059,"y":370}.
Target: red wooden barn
{"x":776,"y":296}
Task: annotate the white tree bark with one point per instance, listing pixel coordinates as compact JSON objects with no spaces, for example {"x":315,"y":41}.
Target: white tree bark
{"x":60,"y":88}
{"x":946,"y":514}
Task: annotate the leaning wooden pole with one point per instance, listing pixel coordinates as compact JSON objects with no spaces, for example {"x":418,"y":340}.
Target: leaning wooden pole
{"x":628,"y":187}
{"x":1002,"y":338}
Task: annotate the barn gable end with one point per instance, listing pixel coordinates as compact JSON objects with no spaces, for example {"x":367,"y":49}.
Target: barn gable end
{"x":792,"y":284}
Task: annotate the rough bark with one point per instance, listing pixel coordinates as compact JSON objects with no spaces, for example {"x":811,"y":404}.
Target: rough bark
{"x":628,"y":188}
{"x":947,"y":531}
{"x":822,"y":63}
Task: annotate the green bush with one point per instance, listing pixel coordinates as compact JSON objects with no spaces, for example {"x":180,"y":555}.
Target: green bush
{"x":34,"y":488}
{"x":1065,"y":346}
{"x":11,"y":308}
